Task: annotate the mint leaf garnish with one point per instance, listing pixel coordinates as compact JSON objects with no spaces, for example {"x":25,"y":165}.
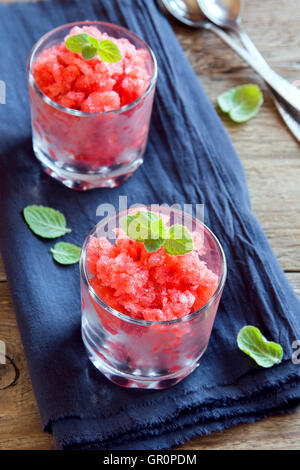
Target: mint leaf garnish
{"x":66,"y":253}
{"x":109,"y":52}
{"x":89,"y":47}
{"x":45,"y":221}
{"x":94,"y":42}
{"x":158,"y":233}
{"x":252,"y":342}
{"x":148,"y":228}
{"x":153,"y":245}
{"x":76,"y":42}
{"x":241,"y":103}
{"x":138,"y":226}
{"x":125,"y":222}
{"x":179,"y":241}
{"x":88,"y":51}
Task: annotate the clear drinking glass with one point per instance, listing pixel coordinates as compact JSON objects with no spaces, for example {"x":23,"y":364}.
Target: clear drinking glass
{"x":90,"y":150}
{"x":142,"y":354}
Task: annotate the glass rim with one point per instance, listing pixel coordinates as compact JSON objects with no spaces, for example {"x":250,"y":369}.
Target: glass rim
{"x":76,"y":112}
{"x":127,"y":318}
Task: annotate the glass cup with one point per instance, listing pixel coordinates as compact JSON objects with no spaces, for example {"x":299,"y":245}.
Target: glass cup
{"x":148,"y":354}
{"x":90,"y":150}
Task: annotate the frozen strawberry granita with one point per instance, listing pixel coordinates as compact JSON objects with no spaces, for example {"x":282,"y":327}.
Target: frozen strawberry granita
{"x":90,"y":118}
{"x":148,"y":286}
{"x":147,"y":316}
{"x":92,"y":85}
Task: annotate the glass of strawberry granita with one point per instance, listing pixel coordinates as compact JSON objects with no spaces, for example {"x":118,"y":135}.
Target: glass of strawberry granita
{"x":90,"y":118}
{"x":147,"y":316}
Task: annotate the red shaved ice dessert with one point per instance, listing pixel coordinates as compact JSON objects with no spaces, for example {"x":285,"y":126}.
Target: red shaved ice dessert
{"x":148,"y":286}
{"x":147,"y":316}
{"x":92,"y":85}
{"x":90,"y":118}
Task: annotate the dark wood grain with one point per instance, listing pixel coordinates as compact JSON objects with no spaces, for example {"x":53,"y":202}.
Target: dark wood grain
{"x":271,"y":158}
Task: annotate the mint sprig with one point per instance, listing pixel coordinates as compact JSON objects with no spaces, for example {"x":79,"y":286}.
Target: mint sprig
{"x":88,"y":51}
{"x":252,"y":342}
{"x":241,"y":103}
{"x":158,"y":232}
{"x":89,"y":47}
{"x":51,"y":223}
{"x":109,"y":52}
{"x":138,"y":226}
{"x":75,"y":43}
{"x":179,"y":241}
{"x":66,"y":253}
{"x":148,"y":228}
{"x":45,"y":221}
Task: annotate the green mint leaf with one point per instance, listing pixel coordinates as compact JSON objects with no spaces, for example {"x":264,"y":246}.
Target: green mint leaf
{"x":158,"y":233}
{"x":109,"y":52}
{"x":147,"y":227}
{"x":125,"y":222}
{"x":179,"y":241}
{"x":94,"y":42}
{"x":76,"y":42}
{"x":45,"y":221}
{"x":153,"y":245}
{"x":88,"y":51}
{"x":66,"y":253}
{"x":89,"y":46}
{"x":241,"y":103}
{"x":138,"y":226}
{"x":252,"y":342}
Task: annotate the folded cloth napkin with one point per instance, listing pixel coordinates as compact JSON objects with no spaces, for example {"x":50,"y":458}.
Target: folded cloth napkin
{"x":189,"y":159}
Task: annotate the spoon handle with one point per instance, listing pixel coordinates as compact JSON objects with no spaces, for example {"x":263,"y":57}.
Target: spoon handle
{"x":290,"y":117}
{"x":283,"y":88}
{"x":292,"y":123}
{"x":252,"y":49}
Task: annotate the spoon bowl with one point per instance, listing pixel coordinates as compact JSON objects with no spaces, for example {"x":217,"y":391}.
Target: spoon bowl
{"x":187,"y":12}
{"x":225,"y":13}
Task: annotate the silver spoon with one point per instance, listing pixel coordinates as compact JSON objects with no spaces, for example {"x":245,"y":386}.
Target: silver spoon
{"x":189,"y":13}
{"x":228,"y":14}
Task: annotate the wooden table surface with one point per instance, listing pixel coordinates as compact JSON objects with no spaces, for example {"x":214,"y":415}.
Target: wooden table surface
{"x":271,"y":158}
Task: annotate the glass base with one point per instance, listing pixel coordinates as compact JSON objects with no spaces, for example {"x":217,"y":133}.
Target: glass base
{"x":131,"y":380}
{"x":79,"y":181}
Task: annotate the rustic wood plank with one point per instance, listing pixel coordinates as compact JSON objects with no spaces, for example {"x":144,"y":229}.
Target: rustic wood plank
{"x":33,"y":441}
{"x":275,"y":433}
{"x":294,"y":279}
{"x":20,"y":424}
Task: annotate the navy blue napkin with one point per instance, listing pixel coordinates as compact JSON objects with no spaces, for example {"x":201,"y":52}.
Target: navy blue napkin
{"x":189,"y":159}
